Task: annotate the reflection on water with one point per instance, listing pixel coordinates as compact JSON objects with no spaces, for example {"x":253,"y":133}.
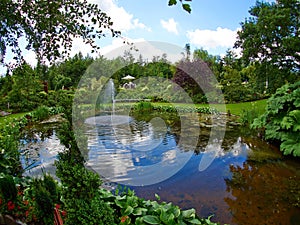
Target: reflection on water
{"x":135,"y":153}
{"x":39,"y":148}
{"x":249,"y":181}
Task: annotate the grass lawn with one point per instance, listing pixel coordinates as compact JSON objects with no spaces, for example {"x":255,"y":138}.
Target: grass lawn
{"x":237,"y":108}
{"x":234,"y":108}
{"x":7,"y":119}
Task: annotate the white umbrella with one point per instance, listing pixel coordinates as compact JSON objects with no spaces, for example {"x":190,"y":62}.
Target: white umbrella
{"x":128,"y":77}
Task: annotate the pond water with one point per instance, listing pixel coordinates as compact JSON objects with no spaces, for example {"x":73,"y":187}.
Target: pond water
{"x":39,"y":149}
{"x":247,"y":182}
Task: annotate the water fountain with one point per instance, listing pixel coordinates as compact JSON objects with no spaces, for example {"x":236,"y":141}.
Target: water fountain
{"x":112,"y":119}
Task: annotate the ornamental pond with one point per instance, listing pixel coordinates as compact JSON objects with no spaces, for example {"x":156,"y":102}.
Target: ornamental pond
{"x":247,"y":181}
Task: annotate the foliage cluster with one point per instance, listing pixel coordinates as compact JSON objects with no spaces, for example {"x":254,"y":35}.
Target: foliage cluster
{"x":133,"y":210}
{"x":184,"y":109}
{"x":44,"y":112}
{"x":281,"y":121}
{"x":80,"y":193}
{"x":27,"y":88}
{"x":184,"y":3}
{"x":49,"y":27}
{"x":29,"y":200}
{"x":9,"y":146}
{"x":248,"y":115}
{"x":271,"y":34}
{"x":148,"y":106}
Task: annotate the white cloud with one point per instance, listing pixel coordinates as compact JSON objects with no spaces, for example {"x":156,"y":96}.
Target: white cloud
{"x":170,"y":25}
{"x":80,"y":46}
{"x":30,"y":58}
{"x":118,"y":43}
{"x":147,"y":49}
{"x":211,"y":39}
{"x":122,"y":20}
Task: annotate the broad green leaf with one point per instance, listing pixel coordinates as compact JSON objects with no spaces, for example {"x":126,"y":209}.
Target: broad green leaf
{"x":195,"y":221}
{"x":190,"y":213}
{"x":151,"y":219}
{"x":139,"y":211}
{"x":172,"y":2}
{"x":176,"y":211}
{"x":128,"y":210}
{"x":171,"y":218}
{"x":164,"y":216}
{"x":290,"y":146}
{"x":187,"y":7}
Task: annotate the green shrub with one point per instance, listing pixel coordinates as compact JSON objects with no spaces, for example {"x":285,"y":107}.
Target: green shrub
{"x":91,"y":211}
{"x":9,"y":147}
{"x":56,"y":110}
{"x":41,"y":113}
{"x":185,"y":109}
{"x":281,"y":121}
{"x":248,"y":115}
{"x":45,"y":194}
{"x":8,"y":188}
{"x":143,"y":106}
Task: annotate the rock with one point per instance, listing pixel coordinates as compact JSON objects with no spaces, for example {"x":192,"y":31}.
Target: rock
{"x":54,"y":119}
{"x":3,"y":113}
{"x":9,"y":220}
{"x":1,"y":219}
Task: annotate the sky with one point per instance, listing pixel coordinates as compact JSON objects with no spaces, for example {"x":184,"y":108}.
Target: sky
{"x":212,"y":25}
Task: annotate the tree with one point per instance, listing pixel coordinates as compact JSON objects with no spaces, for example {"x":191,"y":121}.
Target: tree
{"x":213,"y":62}
{"x":26,"y":87}
{"x":272,"y":33}
{"x":190,"y":74}
{"x":49,"y":27}
{"x":187,"y":49}
{"x":70,"y":71}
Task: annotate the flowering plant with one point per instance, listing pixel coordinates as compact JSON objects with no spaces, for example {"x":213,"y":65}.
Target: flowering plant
{"x":29,"y":200}
{"x":18,"y":206}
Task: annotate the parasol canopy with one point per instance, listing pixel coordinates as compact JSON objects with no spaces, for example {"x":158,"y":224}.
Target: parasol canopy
{"x":128,"y":77}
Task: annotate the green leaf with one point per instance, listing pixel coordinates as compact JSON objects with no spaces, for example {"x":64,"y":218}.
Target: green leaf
{"x":195,"y":221}
{"x":287,"y":122}
{"x":190,"y":213}
{"x":139,"y":211}
{"x":157,"y":197}
{"x":172,"y":2}
{"x":151,"y":219}
{"x":289,"y":147}
{"x":176,"y":211}
{"x":187,"y":7}
{"x":128,"y":210}
{"x":164,"y":216}
{"x":296,"y":115}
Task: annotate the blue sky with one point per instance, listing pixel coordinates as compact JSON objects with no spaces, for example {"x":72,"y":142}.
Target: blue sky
{"x":212,"y":24}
